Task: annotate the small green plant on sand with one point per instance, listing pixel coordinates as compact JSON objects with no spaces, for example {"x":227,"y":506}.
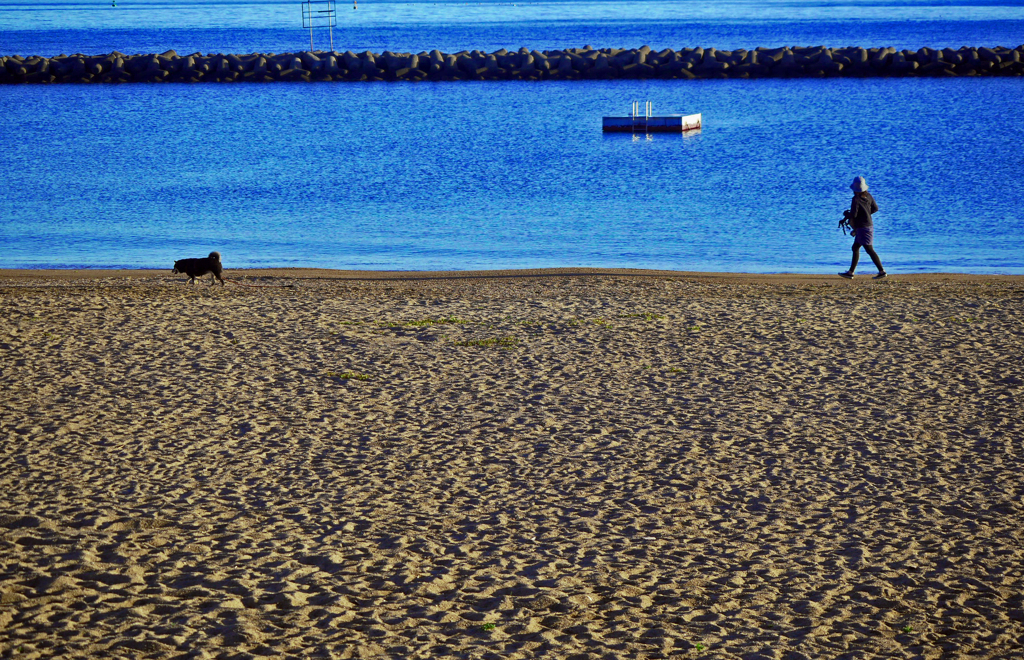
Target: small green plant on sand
{"x":647,"y":316}
{"x":346,"y":375}
{"x":699,"y":647}
{"x":423,"y":322}
{"x":499,"y":342}
{"x":675,"y":370}
{"x":487,"y":627}
{"x":693,"y":328}
{"x":907,"y":628}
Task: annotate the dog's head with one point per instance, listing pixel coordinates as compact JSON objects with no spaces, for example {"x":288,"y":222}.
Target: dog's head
{"x":177,"y":267}
{"x":215,"y":256}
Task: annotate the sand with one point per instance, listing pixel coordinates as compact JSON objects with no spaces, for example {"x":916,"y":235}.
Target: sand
{"x":563,"y":464}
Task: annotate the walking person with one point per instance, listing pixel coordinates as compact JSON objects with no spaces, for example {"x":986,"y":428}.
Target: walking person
{"x":863,"y":230}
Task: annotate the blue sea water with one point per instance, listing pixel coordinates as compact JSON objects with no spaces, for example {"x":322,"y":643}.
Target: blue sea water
{"x":411,"y":176}
{"x":49,"y":27}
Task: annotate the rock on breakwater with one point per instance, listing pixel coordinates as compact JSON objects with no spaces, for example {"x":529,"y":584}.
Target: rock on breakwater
{"x":524,"y":64}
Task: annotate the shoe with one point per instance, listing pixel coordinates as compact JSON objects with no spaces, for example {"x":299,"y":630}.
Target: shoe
{"x":881,"y":276}
{"x":848,"y":275}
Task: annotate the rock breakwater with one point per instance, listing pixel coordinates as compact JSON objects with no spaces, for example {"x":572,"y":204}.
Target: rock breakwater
{"x":524,"y":64}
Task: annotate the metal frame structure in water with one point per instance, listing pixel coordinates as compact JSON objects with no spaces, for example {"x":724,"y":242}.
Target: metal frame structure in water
{"x":313,"y":17}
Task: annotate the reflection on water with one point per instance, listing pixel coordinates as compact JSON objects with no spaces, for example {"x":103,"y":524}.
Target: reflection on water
{"x":650,"y":137}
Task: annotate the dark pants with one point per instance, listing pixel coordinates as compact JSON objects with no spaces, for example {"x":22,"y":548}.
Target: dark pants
{"x":871,"y":253}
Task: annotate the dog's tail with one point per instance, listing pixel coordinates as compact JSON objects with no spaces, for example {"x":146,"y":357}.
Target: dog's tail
{"x":215,"y":255}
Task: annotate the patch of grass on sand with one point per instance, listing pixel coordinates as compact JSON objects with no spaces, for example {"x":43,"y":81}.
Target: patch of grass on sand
{"x":346,"y":375}
{"x":647,"y":316}
{"x":424,"y":322}
{"x":498,"y":342}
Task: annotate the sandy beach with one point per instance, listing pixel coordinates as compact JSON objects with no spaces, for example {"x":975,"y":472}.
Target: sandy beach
{"x":564,"y":464}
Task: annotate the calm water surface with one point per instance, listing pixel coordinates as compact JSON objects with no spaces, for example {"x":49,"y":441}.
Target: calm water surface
{"x":243,"y":26}
{"x":504,"y":175}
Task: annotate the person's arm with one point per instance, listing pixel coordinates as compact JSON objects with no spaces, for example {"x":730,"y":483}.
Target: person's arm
{"x":857,"y":212}
{"x":874,"y":206}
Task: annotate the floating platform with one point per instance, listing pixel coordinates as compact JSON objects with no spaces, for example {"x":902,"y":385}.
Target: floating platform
{"x":644,"y":124}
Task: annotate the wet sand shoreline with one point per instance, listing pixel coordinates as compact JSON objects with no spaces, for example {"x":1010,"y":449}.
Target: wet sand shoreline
{"x":80,"y":274}
{"x":564,"y":463}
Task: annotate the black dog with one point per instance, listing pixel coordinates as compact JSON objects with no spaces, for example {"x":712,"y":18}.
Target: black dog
{"x":198,"y":267}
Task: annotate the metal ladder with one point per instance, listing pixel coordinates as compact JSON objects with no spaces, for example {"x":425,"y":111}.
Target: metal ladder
{"x":636,"y":116}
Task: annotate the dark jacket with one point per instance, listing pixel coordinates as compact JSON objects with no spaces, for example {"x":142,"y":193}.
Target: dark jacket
{"x":861,"y":208}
